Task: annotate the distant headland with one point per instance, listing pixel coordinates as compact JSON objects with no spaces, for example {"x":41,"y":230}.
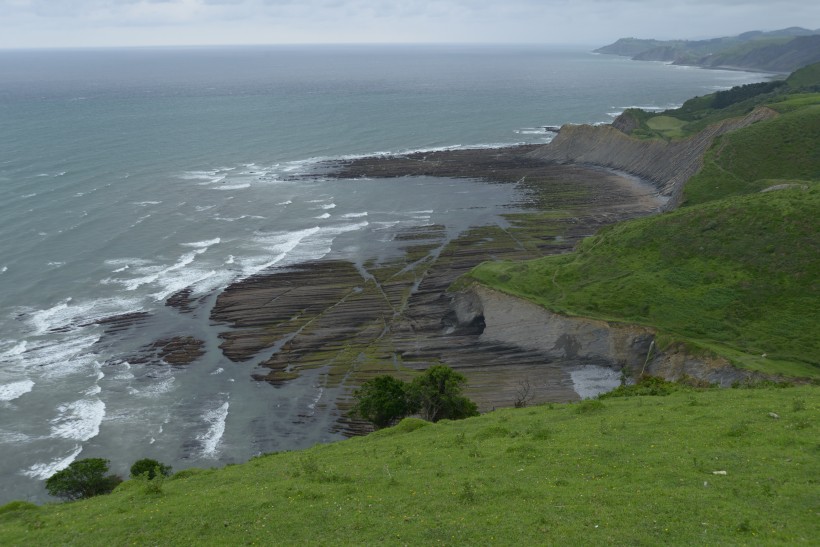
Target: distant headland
{"x":779,"y":51}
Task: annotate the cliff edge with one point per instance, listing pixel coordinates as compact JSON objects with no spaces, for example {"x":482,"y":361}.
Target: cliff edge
{"x":666,"y":164}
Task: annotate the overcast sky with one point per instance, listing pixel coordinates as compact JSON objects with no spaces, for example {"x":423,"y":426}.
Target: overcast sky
{"x":79,"y":23}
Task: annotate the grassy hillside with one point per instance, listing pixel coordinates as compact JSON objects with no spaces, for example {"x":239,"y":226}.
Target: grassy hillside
{"x":785,"y":149}
{"x":777,"y":51}
{"x":737,"y":276}
{"x":694,"y":467}
{"x":799,"y":90}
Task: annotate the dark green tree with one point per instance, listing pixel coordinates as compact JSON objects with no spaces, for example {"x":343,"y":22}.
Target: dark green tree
{"x":436,"y":395}
{"x":82,"y":479}
{"x":149,"y":467}
{"x":382,"y":401}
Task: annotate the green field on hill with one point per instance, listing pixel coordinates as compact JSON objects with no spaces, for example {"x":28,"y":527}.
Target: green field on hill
{"x":736,"y":276}
{"x":714,"y":466}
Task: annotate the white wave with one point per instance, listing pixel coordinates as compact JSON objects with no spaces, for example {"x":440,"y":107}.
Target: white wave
{"x":220,"y":370}
{"x":146,"y":203}
{"x":28,"y":196}
{"x":329,"y":206}
{"x":59,"y":358}
{"x":118,"y":270}
{"x":288,"y":202}
{"x":209,"y":176}
{"x":238,"y":186}
{"x":216,"y":428}
{"x":4,"y":269}
{"x":323,"y":216}
{"x":158,"y":272}
{"x":202,"y":244}
{"x":127,"y":261}
{"x":160,"y":387}
{"x":69,"y":314}
{"x":278,"y":243}
{"x":42,"y":471}
{"x":230,"y":259}
{"x":201,"y":208}
{"x":354,"y":215}
{"x":79,"y":420}
{"x":17,"y":348}
{"x":140,"y":220}
{"x":386,"y":225}
{"x":14,"y":390}
{"x":531,"y":131}
{"x":186,"y":278}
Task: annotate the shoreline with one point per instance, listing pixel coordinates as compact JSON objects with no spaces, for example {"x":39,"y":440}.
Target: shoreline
{"x":350,"y":322}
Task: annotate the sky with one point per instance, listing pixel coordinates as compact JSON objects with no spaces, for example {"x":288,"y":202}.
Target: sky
{"x":103,"y":23}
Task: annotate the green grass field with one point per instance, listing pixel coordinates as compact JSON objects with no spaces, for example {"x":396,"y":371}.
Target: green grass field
{"x":694,"y":467}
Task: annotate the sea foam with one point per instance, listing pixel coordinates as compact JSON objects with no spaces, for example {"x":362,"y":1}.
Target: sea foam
{"x":14,"y":390}
{"x":211,"y":438}
{"x":78,"y":420}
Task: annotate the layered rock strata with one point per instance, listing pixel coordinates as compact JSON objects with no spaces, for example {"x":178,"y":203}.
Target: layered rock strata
{"x":667,"y":164}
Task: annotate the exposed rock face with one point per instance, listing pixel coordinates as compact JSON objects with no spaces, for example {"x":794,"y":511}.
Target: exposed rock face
{"x":519,"y":323}
{"x":667,"y":164}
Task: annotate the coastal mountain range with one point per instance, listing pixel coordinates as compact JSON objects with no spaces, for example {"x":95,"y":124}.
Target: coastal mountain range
{"x":779,"y":51}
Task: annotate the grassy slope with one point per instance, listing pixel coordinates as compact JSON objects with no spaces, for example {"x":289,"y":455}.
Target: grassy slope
{"x":785,"y":148}
{"x":628,"y":471}
{"x":736,"y":276}
{"x":800,"y":90}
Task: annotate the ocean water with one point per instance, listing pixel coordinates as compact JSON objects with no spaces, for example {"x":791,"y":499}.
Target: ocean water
{"x":127,"y":175}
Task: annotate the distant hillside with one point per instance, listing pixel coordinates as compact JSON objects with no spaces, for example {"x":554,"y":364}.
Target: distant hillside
{"x":777,"y":51}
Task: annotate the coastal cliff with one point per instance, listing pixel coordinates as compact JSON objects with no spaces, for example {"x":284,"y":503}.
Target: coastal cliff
{"x":667,"y":164}
{"x":516,"y":322}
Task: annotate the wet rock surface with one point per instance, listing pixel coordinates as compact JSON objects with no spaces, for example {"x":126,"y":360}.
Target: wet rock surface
{"x":352,"y":322}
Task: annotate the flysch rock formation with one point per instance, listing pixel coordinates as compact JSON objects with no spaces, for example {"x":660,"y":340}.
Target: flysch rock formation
{"x":630,"y":348}
{"x":352,"y":321}
{"x":667,"y":164}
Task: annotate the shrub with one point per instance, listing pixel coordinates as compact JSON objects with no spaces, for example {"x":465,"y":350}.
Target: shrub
{"x":150,"y":468}
{"x":382,"y":401}
{"x":646,"y":385}
{"x":437,"y":395}
{"x":82,"y":479}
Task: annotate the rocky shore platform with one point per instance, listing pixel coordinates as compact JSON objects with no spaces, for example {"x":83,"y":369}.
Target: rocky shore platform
{"x":349,"y":321}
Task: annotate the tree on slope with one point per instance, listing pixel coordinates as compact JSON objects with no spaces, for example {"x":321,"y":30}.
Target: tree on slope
{"x":436,"y":395}
{"x":382,"y":401}
{"x":82,"y":479}
{"x":150,"y":468}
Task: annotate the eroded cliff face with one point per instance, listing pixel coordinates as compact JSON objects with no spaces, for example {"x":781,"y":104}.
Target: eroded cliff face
{"x":516,"y":322}
{"x":667,"y":164}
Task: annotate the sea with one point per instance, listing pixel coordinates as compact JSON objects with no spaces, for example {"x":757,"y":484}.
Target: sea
{"x":127,"y":175}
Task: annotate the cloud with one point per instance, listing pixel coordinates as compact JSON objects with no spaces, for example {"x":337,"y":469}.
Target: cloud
{"x":134,"y":22}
